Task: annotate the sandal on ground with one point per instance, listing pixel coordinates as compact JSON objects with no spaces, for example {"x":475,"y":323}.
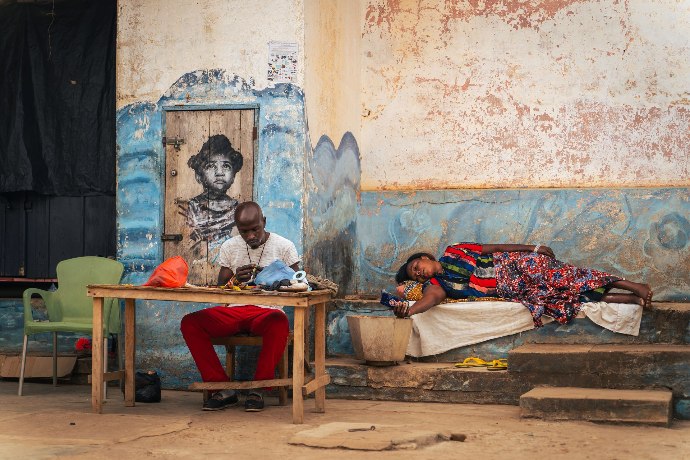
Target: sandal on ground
{"x":497,"y":365}
{"x":472,"y":361}
{"x":254,"y":402}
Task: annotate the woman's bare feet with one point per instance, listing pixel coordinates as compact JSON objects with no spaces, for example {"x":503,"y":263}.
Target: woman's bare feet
{"x":643,"y":291}
{"x":623,"y":298}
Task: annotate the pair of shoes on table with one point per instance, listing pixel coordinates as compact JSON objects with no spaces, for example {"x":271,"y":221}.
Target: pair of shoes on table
{"x":254,"y":402}
{"x":221,"y":400}
{"x":473,"y":361}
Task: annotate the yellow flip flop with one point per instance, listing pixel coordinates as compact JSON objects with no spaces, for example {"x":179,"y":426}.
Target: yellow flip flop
{"x":497,"y":365}
{"x":472,"y":361}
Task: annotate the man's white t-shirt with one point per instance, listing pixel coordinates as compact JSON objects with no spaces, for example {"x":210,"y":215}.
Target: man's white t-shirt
{"x":235,"y":253}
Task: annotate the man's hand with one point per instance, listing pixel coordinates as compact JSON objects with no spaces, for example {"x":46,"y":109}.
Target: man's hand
{"x":246,"y":273}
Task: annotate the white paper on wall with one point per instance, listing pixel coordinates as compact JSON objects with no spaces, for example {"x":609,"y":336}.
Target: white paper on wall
{"x":282,"y":61}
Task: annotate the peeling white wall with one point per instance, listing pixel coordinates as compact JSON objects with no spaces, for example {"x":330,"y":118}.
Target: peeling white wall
{"x":160,"y":40}
{"x":491,"y":94}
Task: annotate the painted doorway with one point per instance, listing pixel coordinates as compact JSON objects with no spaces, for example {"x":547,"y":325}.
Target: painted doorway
{"x":209,"y":169}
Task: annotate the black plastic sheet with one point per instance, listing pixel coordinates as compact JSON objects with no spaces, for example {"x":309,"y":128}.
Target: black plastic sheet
{"x":57,"y":97}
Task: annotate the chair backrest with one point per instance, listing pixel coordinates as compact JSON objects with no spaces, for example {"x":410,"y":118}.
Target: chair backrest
{"x":73,"y":277}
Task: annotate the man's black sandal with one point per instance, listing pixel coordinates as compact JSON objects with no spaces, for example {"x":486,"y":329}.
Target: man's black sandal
{"x":254,"y":402}
{"x":221,"y":400}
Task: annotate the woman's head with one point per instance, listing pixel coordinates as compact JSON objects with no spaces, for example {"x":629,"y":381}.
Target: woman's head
{"x":419,"y":267}
{"x":216,"y":164}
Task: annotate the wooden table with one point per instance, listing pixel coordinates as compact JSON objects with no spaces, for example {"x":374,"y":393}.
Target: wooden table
{"x":300,"y":301}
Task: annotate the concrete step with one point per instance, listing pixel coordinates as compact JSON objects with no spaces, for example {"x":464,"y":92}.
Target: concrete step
{"x":605,"y":366}
{"x":650,"y":407}
{"x":611,"y":366}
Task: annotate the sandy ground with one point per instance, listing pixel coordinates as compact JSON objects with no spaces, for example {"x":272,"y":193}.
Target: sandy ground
{"x":57,"y":423}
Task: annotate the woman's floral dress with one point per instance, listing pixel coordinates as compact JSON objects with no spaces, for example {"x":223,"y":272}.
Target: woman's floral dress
{"x":544,"y":285}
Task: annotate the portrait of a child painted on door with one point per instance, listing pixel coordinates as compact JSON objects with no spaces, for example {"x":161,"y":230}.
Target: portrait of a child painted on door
{"x":209,"y":171}
{"x":211,"y":214}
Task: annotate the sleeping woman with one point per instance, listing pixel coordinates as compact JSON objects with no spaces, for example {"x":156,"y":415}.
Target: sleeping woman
{"x":527,"y":274}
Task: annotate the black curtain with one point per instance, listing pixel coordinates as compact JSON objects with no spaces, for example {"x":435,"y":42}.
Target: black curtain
{"x":57,"y":97}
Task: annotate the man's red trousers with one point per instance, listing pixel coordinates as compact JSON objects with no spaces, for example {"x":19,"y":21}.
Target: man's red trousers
{"x":200,"y":327}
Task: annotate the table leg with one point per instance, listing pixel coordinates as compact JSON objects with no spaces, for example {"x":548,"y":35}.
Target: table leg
{"x":307,"y":348}
{"x":298,"y":367}
{"x":97,"y":356}
{"x":320,"y":354}
{"x":130,"y":350}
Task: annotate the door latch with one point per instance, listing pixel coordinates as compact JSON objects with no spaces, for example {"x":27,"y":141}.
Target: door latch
{"x":174,"y":141}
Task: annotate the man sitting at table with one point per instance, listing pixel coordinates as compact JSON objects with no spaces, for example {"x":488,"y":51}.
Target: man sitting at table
{"x":242,"y":256}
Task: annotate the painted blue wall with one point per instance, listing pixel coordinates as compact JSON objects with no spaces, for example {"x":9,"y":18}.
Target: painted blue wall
{"x":278,"y":187}
{"x":280,"y":161}
{"x":640,"y":234}
{"x":12,"y":331}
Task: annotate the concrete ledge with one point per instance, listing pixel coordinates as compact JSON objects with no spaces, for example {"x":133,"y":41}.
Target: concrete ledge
{"x":422,"y":382}
{"x":666,"y":322}
{"x":650,"y":407}
{"x":442,"y":382}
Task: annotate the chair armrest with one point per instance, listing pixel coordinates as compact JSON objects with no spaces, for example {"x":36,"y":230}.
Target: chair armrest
{"x":47,"y":298}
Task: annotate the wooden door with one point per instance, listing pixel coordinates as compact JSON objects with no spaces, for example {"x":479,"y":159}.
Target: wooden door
{"x":209,"y":169}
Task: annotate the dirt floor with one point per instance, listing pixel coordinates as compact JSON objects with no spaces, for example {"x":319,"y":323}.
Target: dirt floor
{"x":57,"y":423}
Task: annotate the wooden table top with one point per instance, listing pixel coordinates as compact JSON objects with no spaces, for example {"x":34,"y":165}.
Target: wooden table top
{"x":210,"y":294}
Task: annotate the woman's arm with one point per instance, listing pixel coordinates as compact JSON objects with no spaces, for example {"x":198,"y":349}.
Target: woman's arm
{"x":491,"y":248}
{"x":433,"y":295}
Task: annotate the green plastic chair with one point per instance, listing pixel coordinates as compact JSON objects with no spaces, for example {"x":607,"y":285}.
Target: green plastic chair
{"x":69,"y":308}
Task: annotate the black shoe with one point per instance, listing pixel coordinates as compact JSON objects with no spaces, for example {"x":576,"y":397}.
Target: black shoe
{"x":221,"y":400}
{"x":254,"y":402}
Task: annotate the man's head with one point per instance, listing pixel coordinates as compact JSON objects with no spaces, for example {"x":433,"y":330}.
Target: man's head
{"x":251,"y":224}
{"x":216,"y":164}
{"x":417,"y":268}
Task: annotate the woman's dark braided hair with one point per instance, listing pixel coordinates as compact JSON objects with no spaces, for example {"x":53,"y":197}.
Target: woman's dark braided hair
{"x":402,"y":276}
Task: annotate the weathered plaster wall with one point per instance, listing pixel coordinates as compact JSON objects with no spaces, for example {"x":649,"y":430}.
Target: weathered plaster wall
{"x":333,"y":76}
{"x":158,"y":41}
{"x":641,"y":234}
{"x":332,"y":185}
{"x":495,"y":94}
{"x":455,"y":95}
{"x":333,"y":66}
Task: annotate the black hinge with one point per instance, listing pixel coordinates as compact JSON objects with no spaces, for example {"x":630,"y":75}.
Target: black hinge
{"x":171,"y":237}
